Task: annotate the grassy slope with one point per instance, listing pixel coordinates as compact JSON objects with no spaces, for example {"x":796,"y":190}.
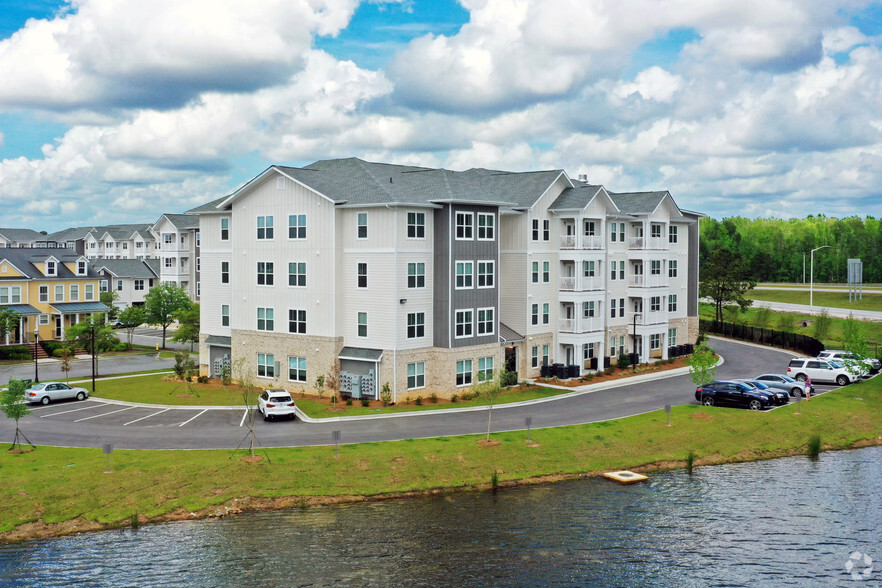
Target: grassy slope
{"x":831,"y":299}
{"x":53,"y":485}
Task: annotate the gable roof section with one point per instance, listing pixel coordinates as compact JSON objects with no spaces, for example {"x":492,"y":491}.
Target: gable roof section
{"x":20,"y":235}
{"x":25,"y":258}
{"x":126,"y":268}
{"x":640,"y":203}
{"x":180,"y":221}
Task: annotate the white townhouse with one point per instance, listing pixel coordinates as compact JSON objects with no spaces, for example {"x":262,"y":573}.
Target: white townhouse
{"x":177,"y":248}
{"x":130,"y":279}
{"x":429,"y":279}
{"x":120,"y":242}
{"x":19,"y":238}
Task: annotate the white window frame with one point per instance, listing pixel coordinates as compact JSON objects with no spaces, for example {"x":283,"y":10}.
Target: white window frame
{"x":416,"y":375}
{"x":359,"y":274}
{"x":267,"y":228}
{"x":486,"y":273}
{"x":467,"y":275}
{"x":546,"y":313}
{"x":268,"y":320}
{"x":489,"y":228}
{"x":51,"y":268}
{"x":74,"y":293}
{"x":88,"y":292}
{"x":225,"y":229}
{"x":297,"y":226}
{"x":361,"y":324}
{"x":298,"y":365}
{"x":267,"y":362}
{"x":672,"y":268}
{"x":416,"y":325}
{"x":654,"y":303}
{"x":225,"y":272}
{"x":672,"y":337}
{"x":535,"y":272}
{"x":672,"y":234}
{"x":56,"y":297}
{"x":43,"y":296}
{"x":225,"y":315}
{"x":672,"y":303}
{"x":297,"y":321}
{"x":485,"y":368}
{"x":265,"y":271}
{"x":486,"y":319}
{"x":297,"y":274}
{"x":464,"y":226}
{"x":534,"y":314}
{"x":416,"y":224}
{"x":463,"y":373}
{"x":361,"y":225}
{"x":138,"y":285}
{"x":416,"y":271}
{"x":464,"y":318}
{"x":655,"y":267}
{"x":589,"y":268}
{"x":546,"y":272}
{"x":655,"y":340}
{"x":534,"y":361}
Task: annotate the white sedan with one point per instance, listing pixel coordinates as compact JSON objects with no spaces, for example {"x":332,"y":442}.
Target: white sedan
{"x":46,"y":392}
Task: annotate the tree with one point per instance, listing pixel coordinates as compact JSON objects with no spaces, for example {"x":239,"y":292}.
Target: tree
{"x":14,"y":407}
{"x":245,"y":380}
{"x":108,"y":299}
{"x":702,"y":365}
{"x":8,"y":320}
{"x":822,"y":325}
{"x":66,"y":362}
{"x":763,"y":316}
{"x":95,"y":335}
{"x":320,"y":385}
{"x":132,"y":317}
{"x":488,"y":388}
{"x":162,"y":304}
{"x":724,"y":281}
{"x":188,"y":325}
{"x":854,"y":337}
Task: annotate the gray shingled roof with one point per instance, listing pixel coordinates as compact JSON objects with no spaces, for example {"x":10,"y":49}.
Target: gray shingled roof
{"x":183,"y":221}
{"x":638,"y":202}
{"x":575,"y":198}
{"x":71,"y":234}
{"x":509,"y":335}
{"x":24,"y":259}
{"x":208,"y":206}
{"x":361,"y":354}
{"x":124,"y":232}
{"x":21,"y":235}
{"x":126,"y":268}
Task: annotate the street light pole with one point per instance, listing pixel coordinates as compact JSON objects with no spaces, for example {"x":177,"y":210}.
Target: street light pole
{"x":36,"y":344}
{"x":812,"y":278}
{"x":634,"y":363}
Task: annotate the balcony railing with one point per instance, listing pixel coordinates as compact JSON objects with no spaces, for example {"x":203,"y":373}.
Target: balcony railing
{"x":648,"y":243}
{"x":650,"y":281}
{"x":581,"y":283}
{"x":580,"y":325}
{"x":581,"y":242}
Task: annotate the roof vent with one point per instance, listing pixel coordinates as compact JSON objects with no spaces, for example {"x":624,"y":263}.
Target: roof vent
{"x":583,"y":178}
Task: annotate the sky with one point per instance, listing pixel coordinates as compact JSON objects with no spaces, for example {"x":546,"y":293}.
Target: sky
{"x":117,"y":111}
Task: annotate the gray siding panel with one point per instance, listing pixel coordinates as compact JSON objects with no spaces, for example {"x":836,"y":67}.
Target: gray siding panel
{"x":441,"y":276}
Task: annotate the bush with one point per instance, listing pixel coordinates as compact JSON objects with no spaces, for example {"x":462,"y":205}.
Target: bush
{"x":419,"y":401}
{"x":466,"y":396}
{"x":121,"y":347}
{"x":365,"y":402}
{"x":587,"y":377}
{"x":623,"y":362}
{"x":349,"y":401}
{"x":60,"y":352}
{"x":386,"y":394}
{"x":202,"y":379}
{"x":52,"y":346}
{"x":16,"y":352}
{"x":433,"y":398}
{"x":454,"y":398}
{"x":508,"y":378}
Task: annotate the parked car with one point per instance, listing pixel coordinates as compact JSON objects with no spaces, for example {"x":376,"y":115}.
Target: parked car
{"x":818,"y":370}
{"x":840,"y":356}
{"x":276,"y":403}
{"x":118,"y":324}
{"x":46,"y":392}
{"x":786,"y":383}
{"x":731,"y":393}
{"x":779,"y":396}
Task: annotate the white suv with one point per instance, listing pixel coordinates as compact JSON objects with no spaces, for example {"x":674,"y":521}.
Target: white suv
{"x":840,"y":356}
{"x":818,"y":370}
{"x":276,"y":403}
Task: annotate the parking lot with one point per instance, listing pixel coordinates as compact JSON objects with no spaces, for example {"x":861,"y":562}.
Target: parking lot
{"x":99,"y":411}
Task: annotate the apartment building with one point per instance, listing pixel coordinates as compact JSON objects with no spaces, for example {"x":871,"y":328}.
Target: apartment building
{"x":177,"y":241}
{"x":121,"y":242}
{"x":18,"y":237}
{"x":48,"y":290}
{"x":129,"y":279}
{"x":429,"y":279}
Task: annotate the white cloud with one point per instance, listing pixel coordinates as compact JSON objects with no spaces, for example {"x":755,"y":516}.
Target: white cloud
{"x":653,"y":83}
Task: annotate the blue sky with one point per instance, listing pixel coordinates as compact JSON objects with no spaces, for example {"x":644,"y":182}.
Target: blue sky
{"x":119,"y":112}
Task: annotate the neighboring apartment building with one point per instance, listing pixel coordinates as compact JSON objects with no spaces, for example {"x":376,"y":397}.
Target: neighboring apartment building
{"x":49,"y":291}
{"x":121,"y":242}
{"x":177,"y":239}
{"x":18,"y":238}
{"x":129,"y":279}
{"x":430,"y":279}
{"x":73,"y":238}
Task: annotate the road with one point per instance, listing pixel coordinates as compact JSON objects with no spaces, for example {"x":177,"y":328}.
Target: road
{"x":94,"y":422}
{"x":50,"y":369}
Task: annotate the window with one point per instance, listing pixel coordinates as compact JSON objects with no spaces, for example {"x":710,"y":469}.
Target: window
{"x":486,"y":225}
{"x":59,"y":293}
{"x":297,"y":274}
{"x":416,"y":375}
{"x":622,"y":305}
{"x":169,"y":262}
{"x":264,"y":227}
{"x":297,"y":226}
{"x":264,"y":273}
{"x":612,"y":270}
{"x":535,"y":229}
{"x":362,"y":275}
{"x":486,"y":274}
{"x":225,"y":315}
{"x":617,"y":236}
{"x":655,"y":267}
{"x":588,"y":309}
{"x":265,"y":319}
{"x":198,"y":264}
{"x":485,"y":321}
{"x":464,"y":372}
{"x":672,"y":337}
{"x":416,"y":225}
{"x":416,"y":325}
{"x":139,"y":285}
{"x":44,"y":319}
{"x":361,"y":231}
{"x":296,"y":321}
{"x":44,"y":293}
{"x":102,"y":286}
{"x":362,"y":324}
{"x":655,"y":231}
{"x":74,"y":293}
{"x":12,"y":294}
{"x":672,"y":234}
{"x":89,"y":291}
{"x":464,"y":320}
{"x":225,"y":272}
{"x":588,"y":351}
{"x":672,"y":268}
{"x":297,"y":369}
{"x":463,"y":274}
{"x":464,"y":226}
{"x":266,"y":365}
{"x":612,"y":308}
{"x":612,"y":347}
{"x":672,"y":303}
{"x":589,"y":228}
{"x":545,"y":355}
{"x":535,"y":272}
{"x":535,"y":356}
{"x":51,"y":268}
{"x":546,"y":230}
{"x":416,"y":275}
{"x":545,"y":313}
{"x":655,"y":304}
{"x":546,"y":271}
{"x":485,"y":369}
{"x":588,"y":269}
{"x":198,"y":289}
{"x":535,"y":314}
{"x":622,"y":270}
{"x":225,"y":229}
{"x":139,"y":244}
{"x":655,"y":341}
{"x":198,"y":241}
{"x":168,"y":239}
{"x":81,"y":268}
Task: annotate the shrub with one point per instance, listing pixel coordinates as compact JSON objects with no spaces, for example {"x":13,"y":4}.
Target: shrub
{"x":349,"y":401}
{"x":623,"y":362}
{"x":52,"y":346}
{"x":814,"y":446}
{"x":466,"y":396}
{"x":433,"y":398}
{"x":202,"y":379}
{"x":508,"y":378}
{"x":59,"y":352}
{"x":407,"y":400}
{"x":121,"y":347}
{"x":386,"y":394}
{"x":454,"y":398}
{"x":587,"y":377}
{"x":333,"y":399}
{"x":419,"y":401}
{"x":16,"y":352}
{"x":365,"y":402}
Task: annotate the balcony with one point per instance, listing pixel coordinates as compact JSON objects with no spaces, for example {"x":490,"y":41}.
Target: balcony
{"x":647,"y":243}
{"x":580,"y":325}
{"x":581,"y":242}
{"x":650,"y":281}
{"x":581,"y":283}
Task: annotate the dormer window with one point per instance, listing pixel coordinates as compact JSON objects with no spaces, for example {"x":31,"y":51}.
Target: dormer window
{"x":51,"y":268}
{"x":81,"y":268}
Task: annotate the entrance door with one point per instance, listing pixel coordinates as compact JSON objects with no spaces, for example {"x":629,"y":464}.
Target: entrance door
{"x":58,"y":327}
{"x":511,"y":359}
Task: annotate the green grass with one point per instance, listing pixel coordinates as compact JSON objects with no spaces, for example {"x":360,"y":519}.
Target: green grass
{"x":831,"y":299}
{"x":159,"y":389}
{"x":54,"y":485}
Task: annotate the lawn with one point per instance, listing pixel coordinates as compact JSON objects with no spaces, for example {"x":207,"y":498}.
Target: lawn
{"x":831,"y":299}
{"x":68,"y":490}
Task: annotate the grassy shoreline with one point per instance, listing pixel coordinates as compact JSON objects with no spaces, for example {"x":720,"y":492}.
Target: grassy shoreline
{"x":57,"y":491}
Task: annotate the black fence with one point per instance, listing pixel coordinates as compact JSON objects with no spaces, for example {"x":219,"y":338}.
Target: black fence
{"x":802,"y":343}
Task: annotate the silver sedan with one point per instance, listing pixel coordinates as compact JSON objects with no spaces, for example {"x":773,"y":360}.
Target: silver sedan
{"x":782,"y":382}
{"x":46,"y":392}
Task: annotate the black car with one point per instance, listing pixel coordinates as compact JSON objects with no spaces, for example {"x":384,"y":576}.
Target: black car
{"x":779,"y":396}
{"x":729,"y":393}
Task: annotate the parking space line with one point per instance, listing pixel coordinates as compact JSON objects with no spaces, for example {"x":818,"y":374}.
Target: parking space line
{"x":72,"y":410}
{"x":146,"y":417}
{"x":95,"y":416}
{"x":198,"y":415}
{"x":244,"y":414}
